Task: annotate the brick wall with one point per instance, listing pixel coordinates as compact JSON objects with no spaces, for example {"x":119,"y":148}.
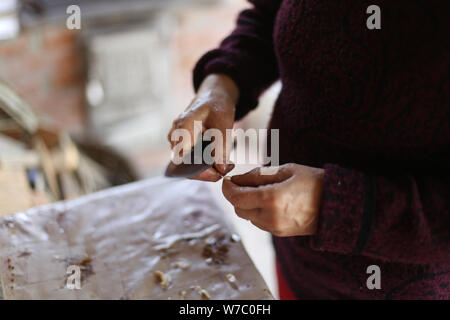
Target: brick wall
{"x":45,"y":66}
{"x":199,"y":30}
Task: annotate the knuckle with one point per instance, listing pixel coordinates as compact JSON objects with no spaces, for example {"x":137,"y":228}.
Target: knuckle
{"x":266,"y":196}
{"x":272,"y":202}
{"x":280,"y":200}
{"x":275,"y":206}
{"x":178,"y":122}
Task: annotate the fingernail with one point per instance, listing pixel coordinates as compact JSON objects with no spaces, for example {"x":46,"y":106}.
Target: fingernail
{"x":225,"y":168}
{"x":227,"y":178}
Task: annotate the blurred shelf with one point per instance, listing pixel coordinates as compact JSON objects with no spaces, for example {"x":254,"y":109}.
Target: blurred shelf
{"x":54,"y":11}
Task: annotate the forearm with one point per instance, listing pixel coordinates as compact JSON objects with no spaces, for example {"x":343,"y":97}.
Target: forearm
{"x":247,"y":55}
{"x":220,"y":86}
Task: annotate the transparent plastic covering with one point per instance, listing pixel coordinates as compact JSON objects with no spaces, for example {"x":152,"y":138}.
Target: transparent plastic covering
{"x":155,"y":239}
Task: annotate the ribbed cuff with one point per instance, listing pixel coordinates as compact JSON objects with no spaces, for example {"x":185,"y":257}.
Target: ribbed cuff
{"x":347,"y":211}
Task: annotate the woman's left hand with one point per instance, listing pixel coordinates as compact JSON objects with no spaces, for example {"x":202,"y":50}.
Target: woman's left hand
{"x":284,"y":204}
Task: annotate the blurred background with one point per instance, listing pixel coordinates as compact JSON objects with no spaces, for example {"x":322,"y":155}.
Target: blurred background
{"x":86,"y":109}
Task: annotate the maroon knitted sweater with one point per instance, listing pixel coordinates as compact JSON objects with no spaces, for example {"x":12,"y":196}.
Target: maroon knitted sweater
{"x":372,"y":108}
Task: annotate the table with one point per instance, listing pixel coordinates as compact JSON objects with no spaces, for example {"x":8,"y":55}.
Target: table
{"x":154,"y":239}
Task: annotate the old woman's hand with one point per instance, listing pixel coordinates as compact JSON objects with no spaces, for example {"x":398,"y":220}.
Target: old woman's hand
{"x":284,"y":204}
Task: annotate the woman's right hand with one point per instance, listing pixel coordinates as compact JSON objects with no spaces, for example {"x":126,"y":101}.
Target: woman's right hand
{"x":214,"y":105}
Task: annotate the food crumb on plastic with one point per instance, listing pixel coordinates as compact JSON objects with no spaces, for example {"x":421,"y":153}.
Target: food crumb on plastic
{"x":202,"y":292}
{"x":164,"y":280}
{"x":181,"y":264}
{"x":235,"y":237}
{"x":205,"y":295}
{"x":231,"y":278}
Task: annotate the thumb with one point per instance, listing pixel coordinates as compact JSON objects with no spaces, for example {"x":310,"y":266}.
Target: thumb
{"x":255,"y":177}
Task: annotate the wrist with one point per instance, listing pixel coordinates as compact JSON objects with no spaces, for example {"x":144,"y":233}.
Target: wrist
{"x":316,"y":197}
{"x":221,"y":87}
{"x":318,"y":187}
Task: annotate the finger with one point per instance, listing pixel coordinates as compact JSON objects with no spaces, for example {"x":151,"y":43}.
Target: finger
{"x":187,"y":121}
{"x":210,"y":175}
{"x":254,"y":178}
{"x":243,"y":197}
{"x":185,"y":129}
{"x":223,"y":150}
{"x":220,"y":149}
{"x":251,"y":214}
